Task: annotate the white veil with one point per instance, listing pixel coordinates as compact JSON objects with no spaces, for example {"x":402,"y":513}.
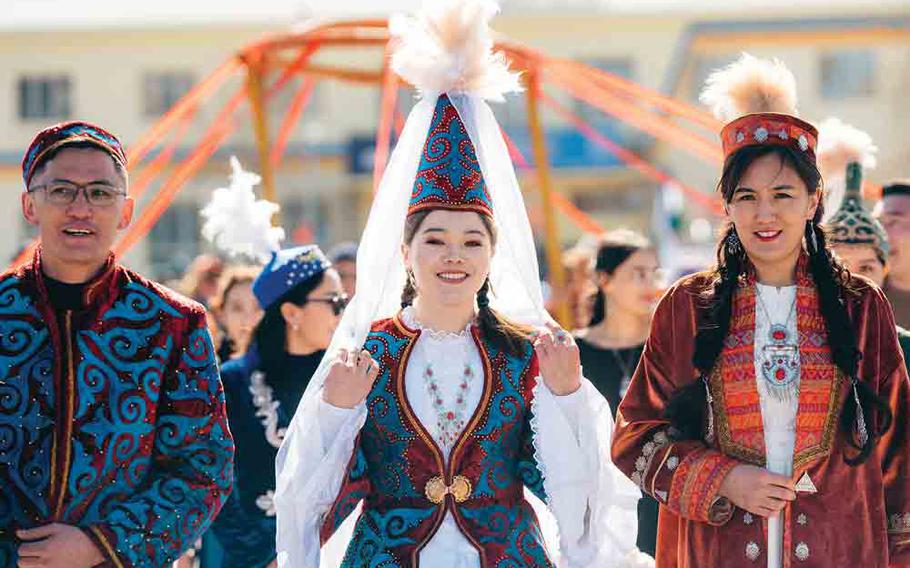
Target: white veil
{"x":515,"y":292}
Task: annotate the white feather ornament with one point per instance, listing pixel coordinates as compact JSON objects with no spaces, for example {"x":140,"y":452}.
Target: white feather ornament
{"x":448,"y":48}
{"x":239,"y":224}
{"x":840,"y":144}
{"x":750,"y":85}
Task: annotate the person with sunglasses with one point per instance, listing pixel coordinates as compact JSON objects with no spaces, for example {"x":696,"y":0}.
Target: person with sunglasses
{"x":303,"y":300}
{"x":113,"y":431}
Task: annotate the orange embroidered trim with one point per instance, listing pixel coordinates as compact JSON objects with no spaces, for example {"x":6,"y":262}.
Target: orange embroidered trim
{"x":738,"y":418}
{"x":697,"y":481}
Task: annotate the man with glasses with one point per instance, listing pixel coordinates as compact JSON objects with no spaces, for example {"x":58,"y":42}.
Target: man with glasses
{"x":894,"y":214}
{"x":114,"y":444}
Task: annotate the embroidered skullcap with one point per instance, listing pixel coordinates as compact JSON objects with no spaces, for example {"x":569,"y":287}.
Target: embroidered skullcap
{"x":65,"y":134}
{"x":285,"y":270}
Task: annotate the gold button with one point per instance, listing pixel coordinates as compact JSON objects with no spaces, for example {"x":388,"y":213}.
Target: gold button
{"x":436,"y":489}
{"x":460,"y":489}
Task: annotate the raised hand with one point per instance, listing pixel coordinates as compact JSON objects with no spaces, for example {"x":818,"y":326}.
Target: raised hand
{"x":560,"y":364}
{"x":350,"y":378}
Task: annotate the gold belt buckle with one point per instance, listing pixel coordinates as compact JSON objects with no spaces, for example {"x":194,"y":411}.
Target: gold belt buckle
{"x":436,"y":489}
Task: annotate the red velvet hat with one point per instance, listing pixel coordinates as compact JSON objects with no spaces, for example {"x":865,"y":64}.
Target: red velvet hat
{"x":757,"y":99}
{"x":769,"y":128}
{"x":65,"y":133}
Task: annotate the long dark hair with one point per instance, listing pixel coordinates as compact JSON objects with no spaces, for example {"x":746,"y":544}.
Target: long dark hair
{"x":499,"y":330}
{"x":614,"y":250}
{"x":686,"y":410}
{"x":270,"y":336}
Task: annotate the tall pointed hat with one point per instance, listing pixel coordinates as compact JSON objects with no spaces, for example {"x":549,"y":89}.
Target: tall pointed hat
{"x":449,"y":175}
{"x":852,"y":223}
{"x":448,"y":50}
{"x":839,"y":145}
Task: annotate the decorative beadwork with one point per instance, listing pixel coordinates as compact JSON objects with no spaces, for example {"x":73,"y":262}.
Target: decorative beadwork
{"x":449,"y":174}
{"x":648,"y":451}
{"x":740,"y":137}
{"x":761,"y":134}
{"x":672,"y":463}
{"x":450,"y":420}
{"x":752,"y":551}
{"x":803,"y":142}
{"x":266,"y":503}
{"x":801,"y":519}
{"x":802,"y":551}
{"x":266,"y":409}
{"x":899,"y":523}
{"x":748,"y":519}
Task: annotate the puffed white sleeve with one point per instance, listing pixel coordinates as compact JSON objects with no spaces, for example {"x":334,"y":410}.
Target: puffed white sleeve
{"x":325,"y":435}
{"x":594,"y":506}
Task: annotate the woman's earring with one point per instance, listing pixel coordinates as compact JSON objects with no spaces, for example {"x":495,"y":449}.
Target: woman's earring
{"x":812,"y":236}
{"x":734,"y":245}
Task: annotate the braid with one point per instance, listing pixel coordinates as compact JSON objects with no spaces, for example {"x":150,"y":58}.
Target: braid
{"x":507,"y":335}
{"x":687,"y":410}
{"x":409,"y":292}
{"x":719,"y":302}
{"x":832,"y":280}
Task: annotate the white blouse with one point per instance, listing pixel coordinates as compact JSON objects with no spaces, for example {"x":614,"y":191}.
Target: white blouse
{"x":559,"y":424}
{"x":778,"y":413}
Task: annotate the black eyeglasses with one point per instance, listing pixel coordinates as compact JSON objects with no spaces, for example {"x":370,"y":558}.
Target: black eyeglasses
{"x":65,"y":193}
{"x":338,"y":302}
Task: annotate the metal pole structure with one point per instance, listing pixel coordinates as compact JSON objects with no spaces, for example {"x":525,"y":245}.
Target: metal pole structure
{"x":542,"y":163}
{"x":255,"y":64}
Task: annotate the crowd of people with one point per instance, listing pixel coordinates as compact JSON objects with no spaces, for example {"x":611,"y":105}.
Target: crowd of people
{"x":409,"y":400}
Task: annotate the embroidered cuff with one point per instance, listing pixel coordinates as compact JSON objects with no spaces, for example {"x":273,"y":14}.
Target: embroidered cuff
{"x":648,"y":465}
{"x":104,"y":541}
{"x":693,"y":491}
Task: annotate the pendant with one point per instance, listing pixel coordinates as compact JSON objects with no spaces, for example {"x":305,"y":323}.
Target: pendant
{"x":805,"y":484}
{"x":780,"y":363}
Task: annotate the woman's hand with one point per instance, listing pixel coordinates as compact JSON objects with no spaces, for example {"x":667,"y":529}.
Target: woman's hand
{"x":350,"y":378}
{"x":560,"y":364}
{"x":757,"y":490}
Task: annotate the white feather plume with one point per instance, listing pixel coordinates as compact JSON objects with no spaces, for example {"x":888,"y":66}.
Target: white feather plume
{"x":840,"y":144}
{"x":750,"y":85}
{"x":448,"y":48}
{"x":239,"y":224}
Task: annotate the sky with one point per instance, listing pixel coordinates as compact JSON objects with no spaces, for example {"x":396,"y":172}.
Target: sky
{"x":43,"y":14}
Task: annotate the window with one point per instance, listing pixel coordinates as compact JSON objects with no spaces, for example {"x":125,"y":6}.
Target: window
{"x":305,"y":220}
{"x":848,"y":74}
{"x":44,"y":97}
{"x":174,"y":240}
{"x":164,"y":89}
